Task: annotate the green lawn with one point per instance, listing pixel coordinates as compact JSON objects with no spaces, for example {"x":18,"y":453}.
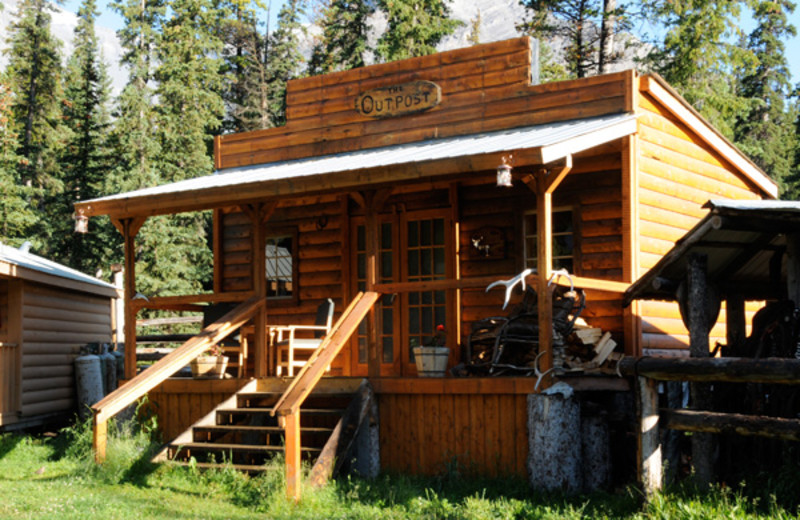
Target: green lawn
{"x":53,"y":477}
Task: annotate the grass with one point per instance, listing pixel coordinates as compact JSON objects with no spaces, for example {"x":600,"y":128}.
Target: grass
{"x":54,"y":477}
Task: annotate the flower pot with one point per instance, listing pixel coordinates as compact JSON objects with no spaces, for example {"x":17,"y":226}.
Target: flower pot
{"x":431,"y":361}
{"x":209,"y":367}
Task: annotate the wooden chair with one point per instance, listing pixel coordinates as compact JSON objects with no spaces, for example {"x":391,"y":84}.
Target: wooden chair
{"x":234,"y":346}
{"x":287,"y":343}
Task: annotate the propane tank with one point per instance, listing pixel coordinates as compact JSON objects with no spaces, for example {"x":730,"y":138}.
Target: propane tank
{"x":88,"y":380}
{"x":110,"y":372}
{"x":120,"y":356}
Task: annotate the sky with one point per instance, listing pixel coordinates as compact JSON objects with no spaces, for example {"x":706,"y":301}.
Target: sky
{"x":112,"y":20}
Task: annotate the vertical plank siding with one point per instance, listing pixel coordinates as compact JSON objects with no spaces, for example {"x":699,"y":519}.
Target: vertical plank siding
{"x":177,"y":404}
{"x":55,"y":324}
{"x":473,"y":431}
{"x":678,"y":173}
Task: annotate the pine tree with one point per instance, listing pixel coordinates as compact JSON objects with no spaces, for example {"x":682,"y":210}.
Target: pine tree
{"x":283,"y":57}
{"x":697,"y":59}
{"x":765,"y":133}
{"x":344,"y":36}
{"x":246,"y":94}
{"x":34,"y":79}
{"x":587,"y":26}
{"x":134,"y":136}
{"x":415,"y":28}
{"x":85,"y":158}
{"x":16,"y":215}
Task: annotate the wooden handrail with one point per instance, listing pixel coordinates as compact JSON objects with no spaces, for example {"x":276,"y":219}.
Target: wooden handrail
{"x":169,"y":302}
{"x":313,"y":370}
{"x":482,"y":281}
{"x":151,"y":377}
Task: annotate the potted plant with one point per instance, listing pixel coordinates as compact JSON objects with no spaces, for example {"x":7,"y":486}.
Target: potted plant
{"x":431,"y":359}
{"x":210,"y":365}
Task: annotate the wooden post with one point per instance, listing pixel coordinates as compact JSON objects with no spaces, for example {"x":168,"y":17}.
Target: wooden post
{"x":736,"y":323}
{"x":130,"y":228}
{"x":649,"y":445}
{"x":793,"y":267}
{"x":291,"y":425}
{"x":259,"y":214}
{"x":546,"y":183}
{"x":99,"y":439}
{"x":699,"y":326}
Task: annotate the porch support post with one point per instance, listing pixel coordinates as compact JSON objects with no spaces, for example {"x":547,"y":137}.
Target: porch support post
{"x":291,"y":425}
{"x":546,"y":183}
{"x":129,"y":228}
{"x":699,"y":326}
{"x":259,"y":214}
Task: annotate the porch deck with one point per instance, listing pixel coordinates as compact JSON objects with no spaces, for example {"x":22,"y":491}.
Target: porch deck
{"x":426,"y":424}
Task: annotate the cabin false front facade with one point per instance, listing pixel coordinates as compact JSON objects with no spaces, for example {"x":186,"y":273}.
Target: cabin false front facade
{"x":385,"y":180}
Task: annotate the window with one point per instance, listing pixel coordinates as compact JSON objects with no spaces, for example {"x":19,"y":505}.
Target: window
{"x":280,"y":266}
{"x":563,"y":240}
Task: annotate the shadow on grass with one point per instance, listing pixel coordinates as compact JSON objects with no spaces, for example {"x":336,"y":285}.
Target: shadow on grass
{"x":8,"y":442}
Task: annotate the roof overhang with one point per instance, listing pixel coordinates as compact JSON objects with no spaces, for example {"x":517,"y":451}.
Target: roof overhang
{"x":744,"y":242}
{"x":23,"y":265}
{"x":532,"y":145}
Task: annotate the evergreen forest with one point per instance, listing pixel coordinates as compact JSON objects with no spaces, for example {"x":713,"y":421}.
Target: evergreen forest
{"x":200,"y":68}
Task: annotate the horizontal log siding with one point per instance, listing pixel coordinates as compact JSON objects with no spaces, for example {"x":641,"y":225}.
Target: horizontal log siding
{"x":320,"y":258}
{"x":483,"y":89}
{"x":55,"y":324}
{"x":477,"y":434}
{"x":593,"y":190}
{"x":177,"y":404}
{"x":678,"y":173}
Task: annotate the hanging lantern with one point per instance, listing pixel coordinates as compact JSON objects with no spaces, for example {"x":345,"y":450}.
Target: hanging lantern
{"x":504,"y":173}
{"x":81,"y":222}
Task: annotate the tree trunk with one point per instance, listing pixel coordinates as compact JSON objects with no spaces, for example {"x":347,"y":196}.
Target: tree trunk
{"x":607,"y":35}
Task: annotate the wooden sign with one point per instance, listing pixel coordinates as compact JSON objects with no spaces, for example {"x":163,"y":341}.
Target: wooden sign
{"x":399,"y":100}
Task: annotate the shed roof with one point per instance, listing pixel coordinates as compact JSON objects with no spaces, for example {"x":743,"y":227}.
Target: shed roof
{"x":745,"y":243}
{"x":16,"y":263}
{"x":539,"y":144}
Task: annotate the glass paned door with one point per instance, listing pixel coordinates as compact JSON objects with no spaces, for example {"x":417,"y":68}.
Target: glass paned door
{"x":412,"y":248}
{"x":426,"y":252}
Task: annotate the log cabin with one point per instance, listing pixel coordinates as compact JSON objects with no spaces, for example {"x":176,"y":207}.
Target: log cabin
{"x":382,"y":193}
{"x":47,"y":312}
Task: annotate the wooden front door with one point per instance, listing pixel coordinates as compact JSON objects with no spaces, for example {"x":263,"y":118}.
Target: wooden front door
{"x":414,"y":247}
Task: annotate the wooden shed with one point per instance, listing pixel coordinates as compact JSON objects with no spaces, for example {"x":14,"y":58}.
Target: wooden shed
{"x":47,"y":312}
{"x":385,"y":180}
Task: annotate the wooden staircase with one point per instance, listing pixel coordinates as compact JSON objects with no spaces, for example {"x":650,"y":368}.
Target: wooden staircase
{"x":243,"y":433}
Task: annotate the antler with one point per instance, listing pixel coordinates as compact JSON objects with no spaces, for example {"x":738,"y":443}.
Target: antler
{"x":520,"y":278}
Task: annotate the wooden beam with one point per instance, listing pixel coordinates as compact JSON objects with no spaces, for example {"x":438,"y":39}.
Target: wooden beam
{"x":99,"y":439}
{"x":735,"y":323}
{"x":731,"y":370}
{"x":190,"y":302}
{"x":374,"y":200}
{"x":731,"y":423}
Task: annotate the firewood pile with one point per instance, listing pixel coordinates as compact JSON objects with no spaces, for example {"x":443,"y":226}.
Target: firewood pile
{"x":590,"y":350}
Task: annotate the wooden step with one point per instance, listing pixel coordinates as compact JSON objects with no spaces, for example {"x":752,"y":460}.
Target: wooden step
{"x":247,"y":434}
{"x":230,"y":428}
{"x":316,"y":400}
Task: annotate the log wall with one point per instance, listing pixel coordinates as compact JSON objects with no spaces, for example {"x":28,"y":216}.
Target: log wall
{"x":677,"y":173}
{"x":475,"y":426}
{"x":55,"y":324}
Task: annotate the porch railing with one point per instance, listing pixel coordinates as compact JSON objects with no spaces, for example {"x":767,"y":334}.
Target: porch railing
{"x":151,"y":377}
{"x":288,"y":406}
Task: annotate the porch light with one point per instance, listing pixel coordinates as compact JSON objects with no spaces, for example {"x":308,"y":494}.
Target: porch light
{"x":81,"y":222}
{"x":504,"y":173}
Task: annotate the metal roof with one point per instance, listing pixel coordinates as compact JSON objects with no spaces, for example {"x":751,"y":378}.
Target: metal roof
{"x":13,"y":256}
{"x":744,"y":241}
{"x":554,"y":141}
